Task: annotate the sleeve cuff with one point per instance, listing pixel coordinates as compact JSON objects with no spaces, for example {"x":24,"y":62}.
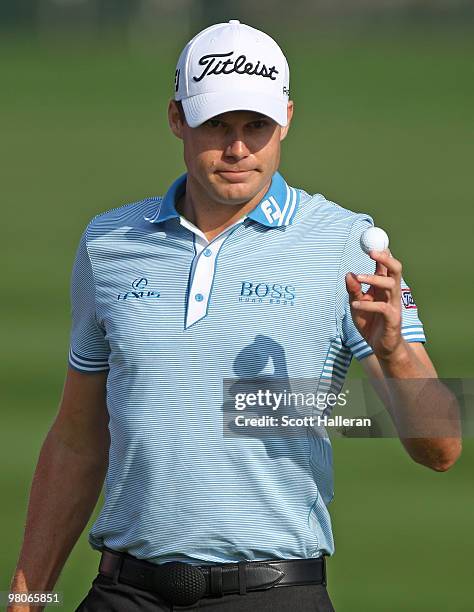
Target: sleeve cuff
{"x":86,"y":364}
{"x":411,"y":333}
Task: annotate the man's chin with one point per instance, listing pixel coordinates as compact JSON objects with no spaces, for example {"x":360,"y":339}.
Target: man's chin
{"x":235,"y":193}
{"x":235,"y":199}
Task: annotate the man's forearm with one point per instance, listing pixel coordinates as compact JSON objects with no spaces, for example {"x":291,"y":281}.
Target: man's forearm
{"x":424,"y":411}
{"x":64,"y":492}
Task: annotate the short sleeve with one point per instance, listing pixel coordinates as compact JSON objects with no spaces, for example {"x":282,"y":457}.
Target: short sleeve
{"x":89,"y":349}
{"x":355,"y":260}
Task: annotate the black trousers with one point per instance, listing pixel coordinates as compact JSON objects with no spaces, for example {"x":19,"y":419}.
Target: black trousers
{"x":107,"y":595}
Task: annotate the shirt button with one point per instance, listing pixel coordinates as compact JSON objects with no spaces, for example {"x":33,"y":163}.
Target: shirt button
{"x":199,"y":297}
{"x":207,"y":252}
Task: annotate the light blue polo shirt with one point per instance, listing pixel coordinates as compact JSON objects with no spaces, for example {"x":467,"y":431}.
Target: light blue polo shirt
{"x":171,"y":315}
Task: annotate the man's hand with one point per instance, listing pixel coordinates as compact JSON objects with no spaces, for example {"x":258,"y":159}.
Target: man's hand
{"x":377,"y":314}
{"x":413,"y":405}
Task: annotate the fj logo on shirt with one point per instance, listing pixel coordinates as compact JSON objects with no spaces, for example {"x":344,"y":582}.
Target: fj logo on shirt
{"x":266,"y":293}
{"x":139,"y":291}
{"x":271,"y":210}
{"x":407,"y":299}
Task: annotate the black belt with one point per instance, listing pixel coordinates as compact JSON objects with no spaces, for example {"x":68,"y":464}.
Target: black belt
{"x":183,"y":583}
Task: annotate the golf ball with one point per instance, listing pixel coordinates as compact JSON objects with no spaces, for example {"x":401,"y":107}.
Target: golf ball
{"x":374,"y":239}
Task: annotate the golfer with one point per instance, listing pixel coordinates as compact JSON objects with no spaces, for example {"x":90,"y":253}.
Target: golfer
{"x":232,"y":274}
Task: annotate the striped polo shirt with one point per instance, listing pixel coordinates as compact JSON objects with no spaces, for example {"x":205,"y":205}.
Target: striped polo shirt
{"x":170,"y":315}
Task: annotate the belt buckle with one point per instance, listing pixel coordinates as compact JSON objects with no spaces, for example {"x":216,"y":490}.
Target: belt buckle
{"x":180,"y":583}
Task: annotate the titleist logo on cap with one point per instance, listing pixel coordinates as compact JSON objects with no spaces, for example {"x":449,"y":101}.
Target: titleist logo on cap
{"x":259,"y":78}
{"x":239,"y":65}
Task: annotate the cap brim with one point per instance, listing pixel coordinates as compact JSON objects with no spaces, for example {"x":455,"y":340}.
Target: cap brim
{"x":200,"y":108}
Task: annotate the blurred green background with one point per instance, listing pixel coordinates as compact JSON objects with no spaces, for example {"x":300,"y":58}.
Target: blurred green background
{"x":383,"y":124}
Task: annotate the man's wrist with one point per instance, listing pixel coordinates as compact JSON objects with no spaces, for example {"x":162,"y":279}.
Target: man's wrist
{"x":399,"y":357}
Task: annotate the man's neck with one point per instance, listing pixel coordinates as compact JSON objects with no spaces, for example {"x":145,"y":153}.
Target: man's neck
{"x":209,"y":216}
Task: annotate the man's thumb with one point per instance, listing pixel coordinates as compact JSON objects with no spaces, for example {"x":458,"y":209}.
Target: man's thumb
{"x":354,"y":288}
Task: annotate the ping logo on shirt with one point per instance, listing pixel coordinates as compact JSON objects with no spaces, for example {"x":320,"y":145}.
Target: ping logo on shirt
{"x":268,"y":293}
{"x":139,"y":291}
{"x":407,"y":298}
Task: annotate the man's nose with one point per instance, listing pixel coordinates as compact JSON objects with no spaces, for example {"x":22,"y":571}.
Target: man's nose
{"x":236,"y":148}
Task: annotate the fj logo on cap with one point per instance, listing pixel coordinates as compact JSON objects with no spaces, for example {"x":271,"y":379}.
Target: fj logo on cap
{"x":213,"y":65}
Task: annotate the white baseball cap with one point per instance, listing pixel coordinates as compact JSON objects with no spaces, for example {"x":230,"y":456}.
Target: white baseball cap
{"x":232,"y":66}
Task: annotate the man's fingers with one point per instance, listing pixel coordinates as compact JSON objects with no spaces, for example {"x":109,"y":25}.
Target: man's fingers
{"x":383,"y":308}
{"x":353,"y":286}
{"x":382,"y":282}
{"x":386,"y":264}
{"x":380,"y":269}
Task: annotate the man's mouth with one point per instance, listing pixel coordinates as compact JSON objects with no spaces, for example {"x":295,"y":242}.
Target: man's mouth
{"x":235,"y":176}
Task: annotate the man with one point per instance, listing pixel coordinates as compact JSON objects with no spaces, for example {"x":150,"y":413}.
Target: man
{"x":232,"y":274}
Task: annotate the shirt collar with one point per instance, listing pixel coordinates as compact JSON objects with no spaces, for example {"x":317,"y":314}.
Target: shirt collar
{"x":277,"y":207}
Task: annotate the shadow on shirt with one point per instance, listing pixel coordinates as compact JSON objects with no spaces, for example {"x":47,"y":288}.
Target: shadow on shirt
{"x":261,"y":366}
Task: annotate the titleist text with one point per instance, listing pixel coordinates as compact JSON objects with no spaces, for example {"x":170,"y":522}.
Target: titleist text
{"x":213,"y":65}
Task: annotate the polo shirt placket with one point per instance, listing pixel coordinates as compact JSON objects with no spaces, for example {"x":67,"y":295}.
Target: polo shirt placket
{"x":202,"y":270}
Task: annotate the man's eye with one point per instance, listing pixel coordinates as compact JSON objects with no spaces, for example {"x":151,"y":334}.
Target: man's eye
{"x":259,"y":124}
{"x":213,"y":123}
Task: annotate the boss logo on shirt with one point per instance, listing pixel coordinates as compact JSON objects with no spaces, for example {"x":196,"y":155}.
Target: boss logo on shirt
{"x":139,"y":291}
{"x":268,"y":293}
{"x":407,"y":299}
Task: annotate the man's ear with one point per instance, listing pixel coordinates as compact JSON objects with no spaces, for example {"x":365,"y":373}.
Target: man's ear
{"x":284,"y":130}
{"x":175,"y":119}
